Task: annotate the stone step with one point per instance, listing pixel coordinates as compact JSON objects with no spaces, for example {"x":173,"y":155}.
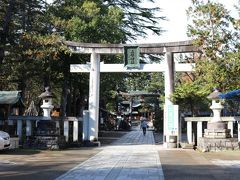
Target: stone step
{"x":185,"y":145}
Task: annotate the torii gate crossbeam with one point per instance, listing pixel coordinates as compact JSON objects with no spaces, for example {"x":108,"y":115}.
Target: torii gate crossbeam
{"x":179,"y":67}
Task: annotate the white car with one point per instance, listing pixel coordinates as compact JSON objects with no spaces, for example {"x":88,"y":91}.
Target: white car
{"x":4,"y":140}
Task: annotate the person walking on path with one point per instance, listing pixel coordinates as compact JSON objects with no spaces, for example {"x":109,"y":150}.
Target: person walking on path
{"x":143,"y":126}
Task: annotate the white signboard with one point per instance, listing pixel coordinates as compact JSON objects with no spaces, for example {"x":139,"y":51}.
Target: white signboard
{"x":171,"y":117}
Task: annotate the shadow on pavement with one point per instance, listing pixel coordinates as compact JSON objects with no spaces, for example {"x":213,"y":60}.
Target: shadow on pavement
{"x":19,"y":151}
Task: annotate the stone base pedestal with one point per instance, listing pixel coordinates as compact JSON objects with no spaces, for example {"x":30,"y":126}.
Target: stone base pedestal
{"x":210,"y":144}
{"x":171,"y":143}
{"x":14,"y":141}
{"x":47,"y":128}
{"x":217,"y":133}
{"x":217,"y":130}
{"x":49,"y":142}
{"x":91,"y":143}
{"x":217,"y":125}
{"x":47,"y":136}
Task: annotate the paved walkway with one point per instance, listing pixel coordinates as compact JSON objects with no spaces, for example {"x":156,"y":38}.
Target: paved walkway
{"x":130,"y":157}
{"x":134,"y":156}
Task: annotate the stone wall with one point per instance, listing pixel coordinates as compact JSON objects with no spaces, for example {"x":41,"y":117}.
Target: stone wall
{"x":209,"y":144}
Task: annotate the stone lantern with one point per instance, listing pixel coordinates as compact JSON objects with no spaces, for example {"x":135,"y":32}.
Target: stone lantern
{"x":47,"y":103}
{"x":47,"y":134}
{"x":216,"y":128}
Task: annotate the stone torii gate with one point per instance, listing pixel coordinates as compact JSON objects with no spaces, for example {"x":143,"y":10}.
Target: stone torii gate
{"x":95,"y":67}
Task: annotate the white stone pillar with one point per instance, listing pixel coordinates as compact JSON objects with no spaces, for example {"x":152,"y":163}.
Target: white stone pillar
{"x":19,"y":128}
{"x":230,"y":126}
{"x":58,"y":125}
{"x":75,"y":131}
{"x":179,"y":132}
{"x":94,"y":85}
{"x":169,"y":77}
{"x":28,"y":127}
{"x":169,"y":88}
{"x":189,"y":132}
{"x":86,"y":129}
{"x":66,"y":130}
{"x":199,"y":129}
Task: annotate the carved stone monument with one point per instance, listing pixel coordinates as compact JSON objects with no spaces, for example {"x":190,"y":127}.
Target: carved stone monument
{"x":216,"y":128}
{"x":217,"y":136}
{"x":48,"y":130}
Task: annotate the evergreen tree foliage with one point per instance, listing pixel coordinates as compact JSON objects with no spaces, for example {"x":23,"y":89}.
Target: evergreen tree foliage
{"x":217,"y":33}
{"x":26,"y":43}
{"x":212,"y":28}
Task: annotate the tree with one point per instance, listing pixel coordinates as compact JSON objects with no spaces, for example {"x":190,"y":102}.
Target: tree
{"x":29,"y":48}
{"x":212,"y":28}
{"x":191,"y":97}
{"x":100,"y":22}
{"x":6,"y":10}
{"x":217,"y":33}
{"x":32,"y":33}
{"x":137,"y":19}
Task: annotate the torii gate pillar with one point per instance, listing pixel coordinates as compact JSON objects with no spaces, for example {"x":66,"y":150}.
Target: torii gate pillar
{"x":169,"y":89}
{"x":169,"y":77}
{"x":93,"y":107}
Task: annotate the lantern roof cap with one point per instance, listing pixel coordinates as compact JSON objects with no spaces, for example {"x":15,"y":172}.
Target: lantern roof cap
{"x":214,"y":95}
{"x":46,"y":94}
